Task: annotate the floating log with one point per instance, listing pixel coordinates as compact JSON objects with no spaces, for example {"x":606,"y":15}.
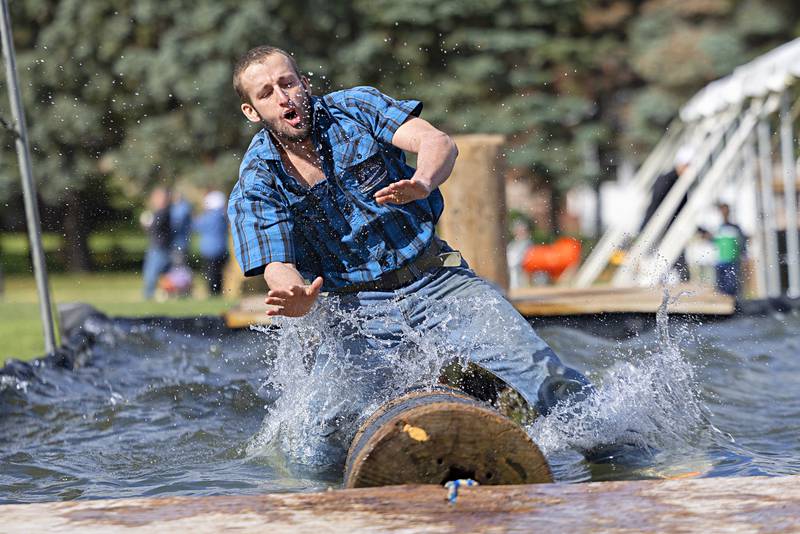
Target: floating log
{"x":436,"y":435}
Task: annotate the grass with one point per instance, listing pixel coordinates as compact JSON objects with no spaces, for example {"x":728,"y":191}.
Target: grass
{"x":130,"y":241}
{"x":116,"y":294}
{"x":119,"y":251}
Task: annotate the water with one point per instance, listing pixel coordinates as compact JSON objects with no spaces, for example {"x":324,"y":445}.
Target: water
{"x":178,"y":408}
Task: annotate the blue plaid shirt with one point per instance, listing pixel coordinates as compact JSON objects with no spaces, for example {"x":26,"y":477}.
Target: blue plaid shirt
{"x":334,"y":229}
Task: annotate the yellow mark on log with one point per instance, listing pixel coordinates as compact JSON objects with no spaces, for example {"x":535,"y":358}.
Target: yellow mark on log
{"x":415,"y":432}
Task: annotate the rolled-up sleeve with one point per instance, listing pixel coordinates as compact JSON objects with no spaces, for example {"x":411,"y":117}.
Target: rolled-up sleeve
{"x":382,"y":114}
{"x":261,"y":225}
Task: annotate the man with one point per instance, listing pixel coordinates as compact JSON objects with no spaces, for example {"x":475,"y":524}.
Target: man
{"x":661,"y":189}
{"x":212,"y":228}
{"x":731,"y":247}
{"x":325,"y":201}
{"x":180,"y":215}
{"x":515,"y":254}
{"x":157,"y":223}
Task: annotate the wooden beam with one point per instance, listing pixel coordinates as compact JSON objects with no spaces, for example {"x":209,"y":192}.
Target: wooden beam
{"x":552,"y":301}
{"x":556,"y":301}
{"x":748,"y":504}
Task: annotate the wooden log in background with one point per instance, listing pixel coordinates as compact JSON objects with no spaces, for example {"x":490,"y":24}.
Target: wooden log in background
{"x":474,"y":218}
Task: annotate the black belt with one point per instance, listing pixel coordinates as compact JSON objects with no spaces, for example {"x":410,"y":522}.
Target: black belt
{"x":431,"y":258}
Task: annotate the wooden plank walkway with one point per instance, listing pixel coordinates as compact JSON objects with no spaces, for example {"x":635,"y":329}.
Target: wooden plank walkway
{"x":553,"y":301}
{"x":748,"y":504}
{"x":562,"y":301}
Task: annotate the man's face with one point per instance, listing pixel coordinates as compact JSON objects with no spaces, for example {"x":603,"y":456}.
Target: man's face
{"x":159,"y":199}
{"x":279,"y":98}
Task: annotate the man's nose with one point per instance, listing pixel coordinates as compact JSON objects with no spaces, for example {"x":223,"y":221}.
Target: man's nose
{"x":283,"y":96}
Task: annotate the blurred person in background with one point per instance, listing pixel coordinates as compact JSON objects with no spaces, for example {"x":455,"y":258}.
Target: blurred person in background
{"x":661,"y":189}
{"x":515,"y":253}
{"x":212,"y":228}
{"x":156,"y":221}
{"x":180,"y":215}
{"x":701,"y":255}
{"x":731,"y":245}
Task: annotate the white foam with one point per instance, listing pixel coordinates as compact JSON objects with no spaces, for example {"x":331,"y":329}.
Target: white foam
{"x":649,"y":399}
{"x":343,"y":383}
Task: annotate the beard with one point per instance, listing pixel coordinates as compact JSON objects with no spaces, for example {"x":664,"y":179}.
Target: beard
{"x":287,"y":133}
{"x":296,"y":135}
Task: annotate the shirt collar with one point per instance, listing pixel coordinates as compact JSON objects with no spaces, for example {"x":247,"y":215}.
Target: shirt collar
{"x":264,"y":145}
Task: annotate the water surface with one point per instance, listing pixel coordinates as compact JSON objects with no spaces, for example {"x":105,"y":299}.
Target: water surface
{"x":189,"y":408}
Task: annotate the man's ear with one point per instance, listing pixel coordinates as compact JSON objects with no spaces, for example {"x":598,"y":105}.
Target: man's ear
{"x":306,"y":84}
{"x":250,"y":112}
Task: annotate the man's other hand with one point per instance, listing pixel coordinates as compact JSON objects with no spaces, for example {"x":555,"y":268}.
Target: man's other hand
{"x":295,"y":301}
{"x":403,"y":192}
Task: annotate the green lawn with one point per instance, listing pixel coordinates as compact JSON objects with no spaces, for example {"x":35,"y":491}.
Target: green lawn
{"x":116,"y":294}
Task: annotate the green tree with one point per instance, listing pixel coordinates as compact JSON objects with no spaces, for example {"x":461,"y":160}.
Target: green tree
{"x":123,"y":95}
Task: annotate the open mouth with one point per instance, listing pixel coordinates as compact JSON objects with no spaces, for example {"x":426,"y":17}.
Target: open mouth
{"x":292,"y":117}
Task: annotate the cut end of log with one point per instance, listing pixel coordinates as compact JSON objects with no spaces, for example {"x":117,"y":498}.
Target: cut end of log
{"x":432,"y":437}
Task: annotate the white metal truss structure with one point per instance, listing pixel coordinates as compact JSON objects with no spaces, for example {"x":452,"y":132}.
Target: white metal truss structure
{"x":730,"y":124}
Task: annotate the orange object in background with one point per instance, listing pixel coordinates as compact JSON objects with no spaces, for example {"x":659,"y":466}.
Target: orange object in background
{"x":553,"y":259}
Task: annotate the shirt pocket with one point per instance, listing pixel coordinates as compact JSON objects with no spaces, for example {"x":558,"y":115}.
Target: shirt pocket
{"x":370,"y":175}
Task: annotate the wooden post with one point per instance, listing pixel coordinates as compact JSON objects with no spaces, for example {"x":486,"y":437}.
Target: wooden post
{"x":474,"y":219}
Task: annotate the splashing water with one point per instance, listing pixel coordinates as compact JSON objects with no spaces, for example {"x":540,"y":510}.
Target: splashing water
{"x":168,"y":407}
{"x":649,"y":400}
{"x":329,"y":382}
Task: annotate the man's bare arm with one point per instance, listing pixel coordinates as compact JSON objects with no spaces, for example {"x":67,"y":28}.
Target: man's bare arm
{"x":436,"y":155}
{"x":288,"y":293}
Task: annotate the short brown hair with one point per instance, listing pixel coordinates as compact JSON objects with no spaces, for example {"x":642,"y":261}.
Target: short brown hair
{"x":255,"y":55}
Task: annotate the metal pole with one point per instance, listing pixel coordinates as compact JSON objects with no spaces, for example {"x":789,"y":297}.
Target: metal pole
{"x":28,"y":186}
{"x":768,"y":208}
{"x":790,"y":197}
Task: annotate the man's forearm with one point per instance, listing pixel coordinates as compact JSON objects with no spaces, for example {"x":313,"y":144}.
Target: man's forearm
{"x":280,"y":275}
{"x":435,"y":159}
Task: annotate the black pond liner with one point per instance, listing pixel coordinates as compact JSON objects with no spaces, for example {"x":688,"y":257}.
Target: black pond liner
{"x":81,"y":324}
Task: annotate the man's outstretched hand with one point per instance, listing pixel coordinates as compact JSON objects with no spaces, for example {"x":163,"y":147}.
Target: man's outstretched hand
{"x":403,"y":192}
{"x":295,"y":301}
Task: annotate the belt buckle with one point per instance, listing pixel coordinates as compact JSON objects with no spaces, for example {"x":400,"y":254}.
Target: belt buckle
{"x":451,"y":259}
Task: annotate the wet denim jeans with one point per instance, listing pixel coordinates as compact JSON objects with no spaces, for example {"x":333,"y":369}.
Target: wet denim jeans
{"x":156,"y":262}
{"x":449,"y":311}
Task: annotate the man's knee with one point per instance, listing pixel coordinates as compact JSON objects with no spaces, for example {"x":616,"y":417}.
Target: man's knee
{"x":563,"y":384}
